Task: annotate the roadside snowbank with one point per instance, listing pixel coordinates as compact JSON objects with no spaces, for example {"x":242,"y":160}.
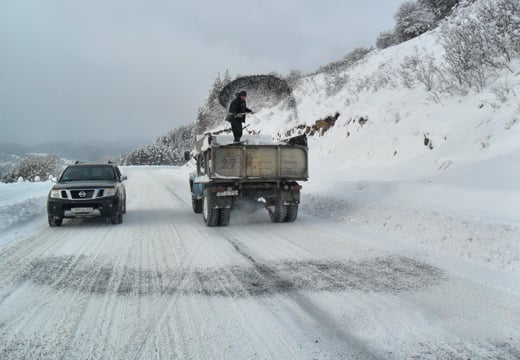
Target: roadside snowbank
{"x":20,"y":202}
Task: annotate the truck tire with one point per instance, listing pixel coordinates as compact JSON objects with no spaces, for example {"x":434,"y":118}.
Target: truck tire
{"x":225,"y":216}
{"x":196,"y":204}
{"x":277,"y":213}
{"x":291,"y":212}
{"x":210,"y":213}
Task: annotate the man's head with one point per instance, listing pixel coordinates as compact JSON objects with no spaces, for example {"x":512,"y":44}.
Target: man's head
{"x":242,"y":95}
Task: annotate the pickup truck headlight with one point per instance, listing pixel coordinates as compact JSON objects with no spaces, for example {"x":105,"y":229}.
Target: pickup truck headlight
{"x":55,"y":194}
{"x":109,"y":192}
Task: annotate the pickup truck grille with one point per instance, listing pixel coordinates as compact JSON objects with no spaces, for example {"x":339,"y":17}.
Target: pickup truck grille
{"x":82,"y":194}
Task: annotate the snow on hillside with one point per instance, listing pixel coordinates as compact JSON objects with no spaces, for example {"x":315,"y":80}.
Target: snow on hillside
{"x":462,"y":128}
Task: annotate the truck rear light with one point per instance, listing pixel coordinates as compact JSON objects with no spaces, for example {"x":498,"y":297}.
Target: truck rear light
{"x":218,"y":189}
{"x":296,"y":187}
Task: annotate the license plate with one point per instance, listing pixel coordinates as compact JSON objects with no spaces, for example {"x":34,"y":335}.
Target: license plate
{"x":228,"y":193}
{"x":81,"y":210}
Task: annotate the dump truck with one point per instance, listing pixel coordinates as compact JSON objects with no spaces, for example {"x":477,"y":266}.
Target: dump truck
{"x":257,"y":170}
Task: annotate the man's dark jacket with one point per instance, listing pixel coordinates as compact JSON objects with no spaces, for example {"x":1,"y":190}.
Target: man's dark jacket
{"x":238,"y":106}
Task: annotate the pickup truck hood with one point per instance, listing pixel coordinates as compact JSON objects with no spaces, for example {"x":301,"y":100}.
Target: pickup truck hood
{"x":84,"y":185}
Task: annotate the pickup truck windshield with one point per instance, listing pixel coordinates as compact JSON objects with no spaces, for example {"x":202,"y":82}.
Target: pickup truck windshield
{"x":82,"y":173}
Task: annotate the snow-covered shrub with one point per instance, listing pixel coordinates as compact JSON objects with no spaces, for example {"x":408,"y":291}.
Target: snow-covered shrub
{"x":335,"y":82}
{"x":34,"y":166}
{"x":482,"y":37}
{"x":293,"y":78}
{"x":384,"y":78}
{"x":348,"y":60}
{"x":421,"y":68}
{"x":385,"y":39}
{"x":413,"y":19}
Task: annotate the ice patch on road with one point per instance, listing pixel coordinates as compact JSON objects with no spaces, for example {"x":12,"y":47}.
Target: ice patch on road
{"x":382,"y":274}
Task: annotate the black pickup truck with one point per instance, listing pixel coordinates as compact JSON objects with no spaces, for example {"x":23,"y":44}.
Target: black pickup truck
{"x":87,"y":190}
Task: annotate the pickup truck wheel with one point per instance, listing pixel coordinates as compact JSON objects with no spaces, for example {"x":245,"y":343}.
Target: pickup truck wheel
{"x":277,"y":213}
{"x":291,"y":212}
{"x":55,"y":221}
{"x":225,"y":216}
{"x":196,"y":204}
{"x":117,"y":218}
{"x":210,"y":213}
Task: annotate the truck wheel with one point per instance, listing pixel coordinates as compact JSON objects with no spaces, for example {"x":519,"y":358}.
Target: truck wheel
{"x":54,"y":221}
{"x":291,"y":212}
{"x":225,"y":216}
{"x":210,"y":213}
{"x":196,"y":204}
{"x":277,"y":213}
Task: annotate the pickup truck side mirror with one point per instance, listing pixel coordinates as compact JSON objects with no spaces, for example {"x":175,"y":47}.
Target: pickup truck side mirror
{"x":124,"y":177}
{"x":187,"y":155}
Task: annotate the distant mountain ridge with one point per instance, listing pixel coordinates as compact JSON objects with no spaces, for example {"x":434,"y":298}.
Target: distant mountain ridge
{"x":93,"y":151}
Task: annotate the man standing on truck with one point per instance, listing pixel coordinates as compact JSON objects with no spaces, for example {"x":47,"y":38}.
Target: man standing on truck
{"x":237,"y":114}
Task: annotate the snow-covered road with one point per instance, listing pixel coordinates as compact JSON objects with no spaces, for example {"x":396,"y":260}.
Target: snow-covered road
{"x":162,"y":285}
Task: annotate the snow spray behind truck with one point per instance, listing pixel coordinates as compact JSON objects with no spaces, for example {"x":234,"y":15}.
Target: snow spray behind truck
{"x":257,"y":169}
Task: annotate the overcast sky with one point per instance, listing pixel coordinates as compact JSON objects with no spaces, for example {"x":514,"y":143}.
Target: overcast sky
{"x":76,"y":70}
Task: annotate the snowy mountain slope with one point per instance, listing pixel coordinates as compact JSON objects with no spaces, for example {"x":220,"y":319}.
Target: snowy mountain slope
{"x":462,"y":129}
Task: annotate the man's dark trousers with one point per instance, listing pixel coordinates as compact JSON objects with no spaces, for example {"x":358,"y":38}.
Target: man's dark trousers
{"x":236,"y":126}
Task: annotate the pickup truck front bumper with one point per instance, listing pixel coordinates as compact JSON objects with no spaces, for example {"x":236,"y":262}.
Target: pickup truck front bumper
{"x":65,"y":208}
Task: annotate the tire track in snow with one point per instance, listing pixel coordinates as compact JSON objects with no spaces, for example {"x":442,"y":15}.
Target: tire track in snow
{"x":354,"y":344}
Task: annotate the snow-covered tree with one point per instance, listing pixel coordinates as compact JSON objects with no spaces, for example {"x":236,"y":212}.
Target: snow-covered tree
{"x":413,"y":19}
{"x":480,"y":38}
{"x":385,"y":39}
{"x":34,"y":166}
{"x":212,"y":112}
{"x":441,"y":8}
{"x":167,"y":150}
